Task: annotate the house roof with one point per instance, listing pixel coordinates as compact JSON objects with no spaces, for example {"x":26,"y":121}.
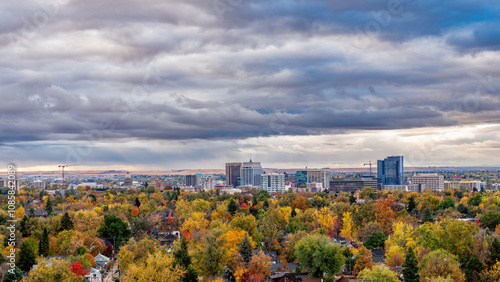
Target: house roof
{"x":101,"y":258}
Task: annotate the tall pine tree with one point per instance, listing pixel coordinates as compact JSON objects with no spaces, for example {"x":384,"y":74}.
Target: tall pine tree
{"x":246,"y":249}
{"x":428,"y":216}
{"x":48,"y":207}
{"x":494,"y":252}
{"x":473,"y":268}
{"x":27,"y":257}
{"x":43,"y":245}
{"x":183,"y":259}
{"x":66,"y":222}
{"x":232,"y":207}
{"x":411,"y":204}
{"x":410,"y":267}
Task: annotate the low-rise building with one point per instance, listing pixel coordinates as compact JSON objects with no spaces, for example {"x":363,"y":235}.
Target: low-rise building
{"x":432,"y":181}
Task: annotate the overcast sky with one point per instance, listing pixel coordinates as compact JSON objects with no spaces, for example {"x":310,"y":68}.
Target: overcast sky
{"x":159,"y":84}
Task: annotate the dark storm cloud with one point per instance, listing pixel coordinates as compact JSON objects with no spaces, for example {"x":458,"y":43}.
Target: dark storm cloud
{"x":175,"y":70}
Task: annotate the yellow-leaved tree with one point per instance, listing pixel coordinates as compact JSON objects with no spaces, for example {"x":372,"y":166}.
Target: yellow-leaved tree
{"x":347,"y":230}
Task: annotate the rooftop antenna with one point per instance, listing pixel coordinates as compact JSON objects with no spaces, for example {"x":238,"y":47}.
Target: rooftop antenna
{"x":369,"y":164}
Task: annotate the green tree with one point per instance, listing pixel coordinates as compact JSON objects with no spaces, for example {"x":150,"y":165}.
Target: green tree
{"x":43,"y":246}
{"x":266,"y":204}
{"x":428,"y":216}
{"x":183,"y":259}
{"x":212,"y":256}
{"x":447,"y":203}
{"x":27,"y":257}
{"x":137,"y":202}
{"x":410,"y":267}
{"x":375,"y":241}
{"x":66,"y":222}
{"x":377,"y":274}
{"x":475,"y":200}
{"x":493,"y":252}
{"x":114,"y":229}
{"x":23,"y":228}
{"x":232,"y":207}
{"x":411,"y":204}
{"x":490,"y":219}
{"x":246,"y":249}
{"x":293,"y":213}
{"x":155,"y":233}
{"x":368,"y":192}
{"x":319,"y":255}
{"x":263,"y":195}
{"x":48,"y":207}
{"x":462,"y":209}
{"x":15,"y":275}
{"x":473,"y":268}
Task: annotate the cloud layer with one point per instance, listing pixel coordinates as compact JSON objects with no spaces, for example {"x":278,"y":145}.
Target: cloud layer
{"x":221,"y":73}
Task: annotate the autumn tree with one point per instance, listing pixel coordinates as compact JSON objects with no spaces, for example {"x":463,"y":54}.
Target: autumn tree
{"x":78,"y":269}
{"x":377,"y":274}
{"x":52,"y":270}
{"x":156,"y":266}
{"x":384,"y":215}
{"x":347,"y":230}
{"x":211,"y":256}
{"x":364,"y":259}
{"x":428,"y":216}
{"x":260,"y":264}
{"x":410,"y":267}
{"x":440,"y":263}
{"x":319,"y":255}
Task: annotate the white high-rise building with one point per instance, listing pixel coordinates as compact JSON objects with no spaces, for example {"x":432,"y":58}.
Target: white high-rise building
{"x":208,"y":183}
{"x":273,"y":182}
{"x":319,"y":176}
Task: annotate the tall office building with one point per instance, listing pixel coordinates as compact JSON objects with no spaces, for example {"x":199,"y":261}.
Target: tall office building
{"x":273,"y":182}
{"x":390,"y":170}
{"x":208,"y":183}
{"x":304,"y":177}
{"x":250,"y":173}
{"x":193,"y":180}
{"x":301,"y":178}
{"x":233,"y":174}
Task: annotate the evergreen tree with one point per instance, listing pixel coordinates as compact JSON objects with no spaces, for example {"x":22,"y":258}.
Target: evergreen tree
{"x":266,"y":204}
{"x":48,"y":207}
{"x":27,"y":257}
{"x":246,"y":249}
{"x":294,"y":213}
{"x":411,"y":204}
{"x":43,"y":245}
{"x":232,"y":207}
{"x":66,"y":222}
{"x":183,"y":259}
{"x":17,"y":275}
{"x":428,"y":216}
{"x":155,"y":233}
{"x":352,"y":199}
{"x":31,"y":212}
{"x":494,"y":252}
{"x":137,"y":202}
{"x":473,"y":268}
{"x":410,"y":267}
{"x":115,"y":229}
{"x":23,"y":228}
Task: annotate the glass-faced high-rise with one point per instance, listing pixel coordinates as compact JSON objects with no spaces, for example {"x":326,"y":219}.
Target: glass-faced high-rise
{"x":390,"y":170}
{"x":250,"y":173}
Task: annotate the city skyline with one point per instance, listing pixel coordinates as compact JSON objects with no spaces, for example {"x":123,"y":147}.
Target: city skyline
{"x":158,"y":85}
